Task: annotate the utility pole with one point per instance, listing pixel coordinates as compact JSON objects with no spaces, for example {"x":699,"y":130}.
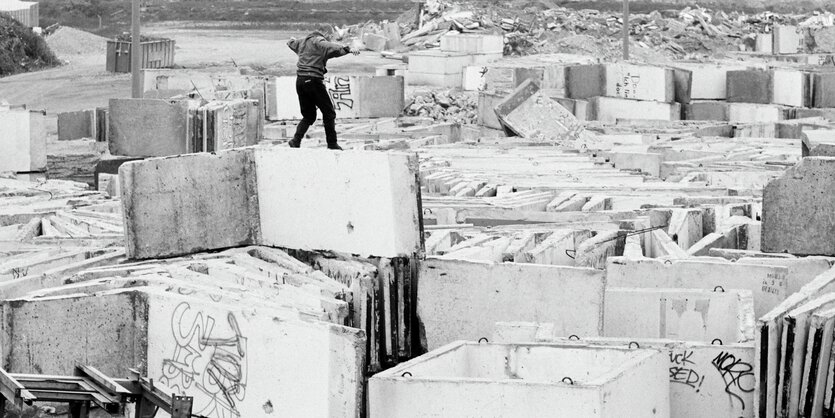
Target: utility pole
{"x":626,"y":30}
{"x":135,"y":52}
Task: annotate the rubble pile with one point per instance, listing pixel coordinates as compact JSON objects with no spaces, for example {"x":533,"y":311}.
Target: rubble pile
{"x":537,"y":28}
{"x":444,"y":106}
{"x":21,"y":50}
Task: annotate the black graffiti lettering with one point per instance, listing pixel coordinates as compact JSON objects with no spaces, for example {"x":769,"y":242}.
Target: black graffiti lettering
{"x":340,"y":92}
{"x":681,"y":359}
{"x":19,"y":272}
{"x":738,"y":375}
{"x":221,"y":372}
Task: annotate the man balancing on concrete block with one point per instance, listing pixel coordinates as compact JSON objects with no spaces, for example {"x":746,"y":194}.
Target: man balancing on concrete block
{"x":314,"y":52}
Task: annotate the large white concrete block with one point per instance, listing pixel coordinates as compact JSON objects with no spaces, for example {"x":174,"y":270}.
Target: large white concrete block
{"x":625,"y":81}
{"x":23,"y":141}
{"x":235,"y":360}
{"x":787,"y":39}
{"x":462,"y":299}
{"x":755,"y":112}
{"x":679,"y":314}
{"x":472,"y":43}
{"x":702,"y":81}
{"x":315,"y":199}
{"x":355,"y":202}
{"x":791,"y":88}
{"x":190,"y":203}
{"x":767,"y":283}
{"x":610,"y":109}
{"x":524,"y":380}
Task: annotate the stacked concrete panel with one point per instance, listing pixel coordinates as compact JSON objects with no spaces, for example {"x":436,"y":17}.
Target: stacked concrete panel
{"x":23,"y":139}
{"x":462,"y":300}
{"x":352,"y":96}
{"x":149,"y":127}
{"x":266,"y":199}
{"x":778,"y":87}
{"x":622,"y":81}
{"x":445,"y":67}
{"x":701,"y":81}
{"x":197,"y":334}
{"x":553,"y":380}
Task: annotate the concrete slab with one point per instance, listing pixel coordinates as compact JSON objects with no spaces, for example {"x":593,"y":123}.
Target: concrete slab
{"x":487,"y":102}
{"x":788,"y":39}
{"x":679,"y":314}
{"x":823,"y":94}
{"x":262,"y":195}
{"x":797,"y":199}
{"x":750,"y":86}
{"x":767,"y":283}
{"x":149,"y":127}
{"x":753,"y":112}
{"x":610,"y":110}
{"x":712,"y":110}
{"x":698,"y":81}
{"x":472,"y":43}
{"x":191,"y":203}
{"x":462,"y":376}
{"x":77,"y":125}
{"x":791,"y":88}
{"x":23,"y":140}
{"x":462,"y":300}
{"x":524,"y":113}
{"x":360,"y":202}
{"x":620,"y":80}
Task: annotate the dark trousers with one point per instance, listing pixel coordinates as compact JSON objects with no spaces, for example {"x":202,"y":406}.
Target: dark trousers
{"x":313,"y":94}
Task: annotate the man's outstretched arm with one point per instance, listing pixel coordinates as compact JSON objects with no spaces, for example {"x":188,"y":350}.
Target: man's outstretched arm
{"x":333,"y":49}
{"x":293,"y":44}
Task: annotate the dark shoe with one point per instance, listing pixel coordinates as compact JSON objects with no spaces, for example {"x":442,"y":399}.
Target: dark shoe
{"x":295,"y":143}
{"x":334,"y":146}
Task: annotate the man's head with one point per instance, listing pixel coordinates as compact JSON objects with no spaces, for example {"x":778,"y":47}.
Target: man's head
{"x":326,"y":30}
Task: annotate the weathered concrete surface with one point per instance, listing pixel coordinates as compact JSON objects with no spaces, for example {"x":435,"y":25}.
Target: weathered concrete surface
{"x":800,"y":198}
{"x":148,"y":127}
{"x":530,"y":114}
{"x":234,"y":360}
{"x":750,"y":86}
{"x":818,"y":143}
{"x":191,"y":203}
{"x":23,"y":141}
{"x":698,"y":81}
{"x":464,"y":379}
{"x":823,"y":95}
{"x":76,"y":125}
{"x":767,"y":283}
{"x":462,"y":300}
{"x":487,"y":102}
{"x":625,"y":81}
{"x":610,"y":109}
{"x":362,"y":202}
{"x":472,"y":43}
{"x":355,"y":202}
{"x":679,"y":314}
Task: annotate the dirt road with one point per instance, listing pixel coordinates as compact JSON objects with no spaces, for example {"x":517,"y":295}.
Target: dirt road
{"x":84,"y":84}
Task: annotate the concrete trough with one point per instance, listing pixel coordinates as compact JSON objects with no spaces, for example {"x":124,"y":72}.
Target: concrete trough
{"x":706,"y":380}
{"x":466,"y":379}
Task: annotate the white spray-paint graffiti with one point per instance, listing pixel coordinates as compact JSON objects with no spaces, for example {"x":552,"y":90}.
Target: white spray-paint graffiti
{"x":214,"y":365}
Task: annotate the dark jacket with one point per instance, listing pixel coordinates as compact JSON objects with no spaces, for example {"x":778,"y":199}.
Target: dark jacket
{"x":314,"y":52}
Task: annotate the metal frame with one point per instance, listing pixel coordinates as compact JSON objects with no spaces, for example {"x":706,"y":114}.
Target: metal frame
{"x":91,"y":387}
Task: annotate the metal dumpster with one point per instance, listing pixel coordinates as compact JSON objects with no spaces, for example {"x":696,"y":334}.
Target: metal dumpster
{"x":158,"y":53}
